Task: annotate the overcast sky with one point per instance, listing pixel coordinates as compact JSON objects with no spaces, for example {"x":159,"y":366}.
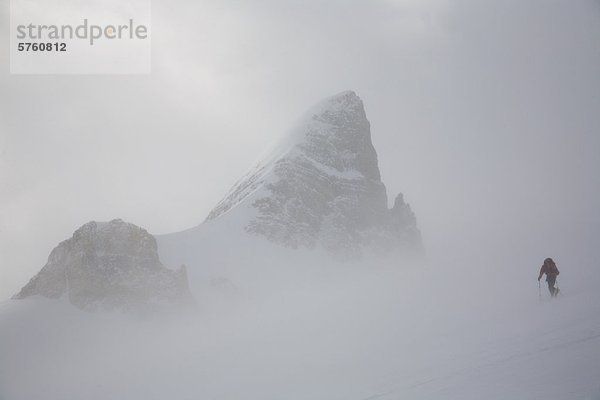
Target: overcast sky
{"x":485,"y":114}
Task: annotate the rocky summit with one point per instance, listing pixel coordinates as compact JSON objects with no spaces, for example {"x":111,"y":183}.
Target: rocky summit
{"x":107,"y":266}
{"x":322,"y":187}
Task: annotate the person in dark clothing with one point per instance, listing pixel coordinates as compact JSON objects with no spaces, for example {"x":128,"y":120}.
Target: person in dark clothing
{"x":549,"y":268}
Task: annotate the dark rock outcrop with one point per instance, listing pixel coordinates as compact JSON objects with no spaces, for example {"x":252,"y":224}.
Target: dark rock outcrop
{"x":109,"y":265}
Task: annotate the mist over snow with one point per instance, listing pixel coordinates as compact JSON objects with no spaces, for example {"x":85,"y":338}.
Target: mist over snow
{"x":279,"y":314}
{"x":347,"y":333}
{"x":483,"y":113}
{"x":310,"y":276}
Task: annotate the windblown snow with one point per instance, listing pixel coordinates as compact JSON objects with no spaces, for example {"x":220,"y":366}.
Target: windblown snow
{"x":378,"y":334}
{"x":305,"y":290}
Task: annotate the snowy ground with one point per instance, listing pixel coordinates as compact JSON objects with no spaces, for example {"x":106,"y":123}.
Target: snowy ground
{"x":419,"y":333}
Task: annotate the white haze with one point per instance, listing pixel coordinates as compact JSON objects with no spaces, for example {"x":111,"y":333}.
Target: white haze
{"x":318,"y":332}
{"x":483,"y":113}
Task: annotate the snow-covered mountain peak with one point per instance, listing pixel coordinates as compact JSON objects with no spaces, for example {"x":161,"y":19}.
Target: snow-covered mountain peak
{"x":337,"y":135}
{"x":333,"y":135}
{"x":321,"y":187}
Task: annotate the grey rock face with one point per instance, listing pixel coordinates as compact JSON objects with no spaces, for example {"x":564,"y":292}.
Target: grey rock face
{"x":109,"y":265}
{"x":324,"y":188}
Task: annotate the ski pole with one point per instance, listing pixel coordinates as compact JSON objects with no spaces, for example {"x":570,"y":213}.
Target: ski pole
{"x":539,"y":289}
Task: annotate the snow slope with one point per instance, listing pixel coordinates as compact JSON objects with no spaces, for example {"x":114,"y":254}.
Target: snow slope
{"x":362,"y":334}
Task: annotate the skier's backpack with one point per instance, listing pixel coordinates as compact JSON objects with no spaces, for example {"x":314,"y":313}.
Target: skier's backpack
{"x":551,"y":267}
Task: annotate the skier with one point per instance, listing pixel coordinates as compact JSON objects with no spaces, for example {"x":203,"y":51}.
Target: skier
{"x":549,"y":268}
